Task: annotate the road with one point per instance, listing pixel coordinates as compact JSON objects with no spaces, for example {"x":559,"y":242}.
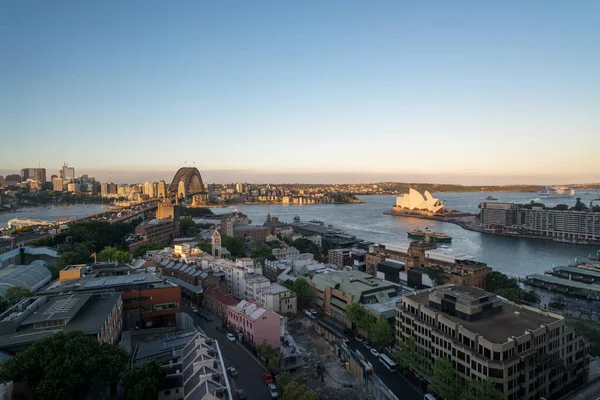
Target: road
{"x":249,"y":370}
{"x":397,"y":383}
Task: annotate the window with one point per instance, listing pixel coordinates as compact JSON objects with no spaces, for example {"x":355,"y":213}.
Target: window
{"x":167,"y":392}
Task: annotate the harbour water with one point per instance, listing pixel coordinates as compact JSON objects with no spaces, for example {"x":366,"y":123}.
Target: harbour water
{"x":513,"y":256}
{"x":53,"y":213}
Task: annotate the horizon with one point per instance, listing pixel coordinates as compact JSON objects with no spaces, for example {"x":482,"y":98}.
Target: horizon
{"x":314,"y":93}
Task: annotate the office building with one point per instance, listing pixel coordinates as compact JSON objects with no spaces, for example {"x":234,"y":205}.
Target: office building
{"x":255,"y":323}
{"x":154,"y":231}
{"x":73,"y":187}
{"x":162,"y":190}
{"x":12,"y":180}
{"x":192,"y":363}
{"x":458,"y":268}
{"x":526,"y":353}
{"x":166,"y":210}
{"x":502,"y":214}
{"x":33,"y":276}
{"x":57,"y":185}
{"x":96,"y":314}
{"x":1,"y":181}
{"x":35,"y":174}
{"x":336,"y":290}
{"x":148,"y":300}
{"x":67,"y":174}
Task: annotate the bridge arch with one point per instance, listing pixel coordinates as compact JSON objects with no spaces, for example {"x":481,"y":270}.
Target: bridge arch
{"x":186,"y":182}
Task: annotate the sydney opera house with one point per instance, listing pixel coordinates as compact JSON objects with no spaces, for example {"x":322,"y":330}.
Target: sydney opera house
{"x":415,"y":201}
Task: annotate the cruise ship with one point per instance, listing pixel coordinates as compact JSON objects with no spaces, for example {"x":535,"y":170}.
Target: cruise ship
{"x":556,"y":192}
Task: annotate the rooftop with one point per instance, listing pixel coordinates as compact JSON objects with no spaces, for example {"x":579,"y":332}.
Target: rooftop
{"x":82,"y":311}
{"x":32,"y":276}
{"x":275,"y":288}
{"x":251,"y":309}
{"x":554,"y":280}
{"x":579,"y":271}
{"x":355,"y":283}
{"x":92,"y":283}
{"x":28,"y":250}
{"x":512,"y":321}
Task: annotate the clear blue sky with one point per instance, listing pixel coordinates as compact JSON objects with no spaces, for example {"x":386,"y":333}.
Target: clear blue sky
{"x":446,"y":91}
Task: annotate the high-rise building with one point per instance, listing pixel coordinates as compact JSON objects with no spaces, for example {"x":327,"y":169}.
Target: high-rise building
{"x":35,"y":174}
{"x":1,"y":181}
{"x":162,"y":189}
{"x":525,"y":352}
{"x":57,"y":184}
{"x":12,"y":180}
{"x":239,"y":187}
{"x":67,"y":173}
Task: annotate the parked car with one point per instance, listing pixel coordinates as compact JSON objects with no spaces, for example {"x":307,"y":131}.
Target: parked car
{"x":367,"y":345}
{"x":375,"y":352}
{"x":241,"y":395}
{"x":207,"y":318}
{"x":221,"y":329}
{"x":232,"y":371}
{"x":313,"y":312}
{"x":273,"y":391}
{"x":230,"y":337}
{"x":268,"y":378}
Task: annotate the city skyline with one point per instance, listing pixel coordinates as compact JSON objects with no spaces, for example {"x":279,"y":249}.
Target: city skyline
{"x":464,"y":93}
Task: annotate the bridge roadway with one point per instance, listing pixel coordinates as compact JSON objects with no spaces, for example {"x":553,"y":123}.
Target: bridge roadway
{"x":110,"y":215}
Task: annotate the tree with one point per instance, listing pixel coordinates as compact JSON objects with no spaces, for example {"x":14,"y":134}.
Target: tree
{"x":142,"y":383}
{"x":141,"y":251}
{"x":436,"y":274}
{"x":444,"y":382}
{"x":15,"y":293}
{"x":262,"y":252}
{"x":409,"y":356}
{"x":381,"y":333}
{"x":561,"y":207}
{"x":306,"y":246}
{"x":65,"y":365}
{"x":205,"y":247}
{"x":281,"y":381}
{"x":359,"y":316}
{"x":294,"y":391}
{"x":273,"y":364}
{"x":579,"y":206}
{"x":265,"y":351}
{"x":481,"y":390}
{"x":114,"y":254}
{"x":187,"y":227}
{"x":303,"y":291}
{"x":236,"y":246}
{"x":502,"y":285}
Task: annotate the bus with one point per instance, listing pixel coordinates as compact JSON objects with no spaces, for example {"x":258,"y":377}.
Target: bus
{"x":387,"y":362}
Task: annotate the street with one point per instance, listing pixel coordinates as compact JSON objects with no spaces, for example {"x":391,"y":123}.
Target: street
{"x":250,"y":372}
{"x":397,"y":383}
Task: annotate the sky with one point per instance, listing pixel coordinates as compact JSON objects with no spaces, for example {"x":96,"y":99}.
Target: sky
{"x":464,"y":92}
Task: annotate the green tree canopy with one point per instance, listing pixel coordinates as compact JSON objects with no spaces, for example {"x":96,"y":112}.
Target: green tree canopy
{"x":265,"y":350}
{"x":381,"y":333}
{"x":436,"y":274}
{"x":409,"y":356}
{"x":142,"y":383}
{"x":204,"y":246}
{"x":283,"y":379}
{"x":295,"y":391}
{"x":303,"y":291}
{"x":187,"y":227}
{"x":481,"y":390}
{"x":444,"y":382}
{"x":502,"y":285}
{"x":306,"y":246}
{"x":114,"y":254}
{"x":273,"y":364}
{"x":15,"y":293}
{"x":236,"y":246}
{"x":359,"y":316}
{"x":65,"y":365}
{"x":141,"y":251}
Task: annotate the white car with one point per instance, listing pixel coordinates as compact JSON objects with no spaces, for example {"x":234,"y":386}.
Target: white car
{"x":367,"y":345}
{"x":375,"y":352}
{"x":230,"y":337}
{"x":273,"y":391}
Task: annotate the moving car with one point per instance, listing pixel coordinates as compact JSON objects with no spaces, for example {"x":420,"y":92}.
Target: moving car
{"x":273,"y":391}
{"x":241,"y":395}
{"x":268,"y":378}
{"x":375,"y":352}
{"x":230,"y":337}
{"x":232,"y":371}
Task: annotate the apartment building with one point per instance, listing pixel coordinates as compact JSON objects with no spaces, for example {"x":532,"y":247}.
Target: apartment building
{"x":524,"y":219}
{"x":235,"y":273}
{"x":285,"y":253}
{"x":255,"y":323}
{"x":526,"y":353}
{"x":459,"y":268}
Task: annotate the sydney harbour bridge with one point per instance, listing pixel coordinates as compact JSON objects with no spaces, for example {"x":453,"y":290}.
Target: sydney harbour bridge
{"x":187,"y":183}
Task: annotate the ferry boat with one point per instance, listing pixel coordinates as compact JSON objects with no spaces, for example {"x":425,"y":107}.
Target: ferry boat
{"x":435,"y":236}
{"x":556,"y":192}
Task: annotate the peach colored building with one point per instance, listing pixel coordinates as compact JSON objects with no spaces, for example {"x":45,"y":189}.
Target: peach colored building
{"x":255,"y":323}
